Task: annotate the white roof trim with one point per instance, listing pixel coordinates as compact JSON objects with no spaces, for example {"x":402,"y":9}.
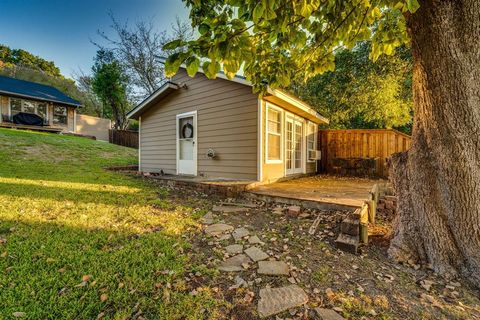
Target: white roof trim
{"x":296,"y":102}
{"x":152,"y":97}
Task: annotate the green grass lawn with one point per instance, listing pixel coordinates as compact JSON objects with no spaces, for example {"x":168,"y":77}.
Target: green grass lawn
{"x":80,"y":242}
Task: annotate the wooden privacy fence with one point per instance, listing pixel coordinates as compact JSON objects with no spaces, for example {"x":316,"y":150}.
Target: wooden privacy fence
{"x":359,"y":146}
{"x":126,"y":138}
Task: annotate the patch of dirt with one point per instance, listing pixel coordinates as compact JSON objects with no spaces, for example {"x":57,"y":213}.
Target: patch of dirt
{"x":364,"y":286}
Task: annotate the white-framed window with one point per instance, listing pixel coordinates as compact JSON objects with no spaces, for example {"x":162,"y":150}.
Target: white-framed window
{"x":274,"y":135}
{"x":60,"y":115}
{"x":311,"y":142}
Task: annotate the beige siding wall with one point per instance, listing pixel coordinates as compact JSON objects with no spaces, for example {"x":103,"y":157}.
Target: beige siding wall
{"x":275,"y":171}
{"x":226,"y":122}
{"x":93,"y":126}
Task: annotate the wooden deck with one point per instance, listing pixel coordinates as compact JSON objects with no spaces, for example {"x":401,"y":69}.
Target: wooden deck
{"x":321,"y":192}
{"x":27,"y":127}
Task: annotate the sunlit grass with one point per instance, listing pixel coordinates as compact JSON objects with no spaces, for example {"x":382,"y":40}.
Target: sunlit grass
{"x":63,"y":217}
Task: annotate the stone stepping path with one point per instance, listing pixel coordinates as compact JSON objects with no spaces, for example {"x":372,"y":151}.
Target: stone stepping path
{"x":276,"y":300}
{"x":272,"y":300}
{"x":273,"y":268}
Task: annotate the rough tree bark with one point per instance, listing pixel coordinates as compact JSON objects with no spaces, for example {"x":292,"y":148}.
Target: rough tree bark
{"x":438,"y":180}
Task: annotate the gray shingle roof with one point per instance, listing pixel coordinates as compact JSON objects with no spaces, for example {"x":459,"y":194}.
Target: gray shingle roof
{"x":27,"y":89}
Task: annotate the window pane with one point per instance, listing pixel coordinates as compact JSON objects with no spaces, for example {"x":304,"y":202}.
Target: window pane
{"x":274,"y":134}
{"x":15,"y":106}
{"x":274,"y":121}
{"x":273,"y":147}
{"x":273,"y":127}
{"x":61,"y":111}
{"x":28,"y":106}
{"x":185,"y":127}
{"x":42,"y":110}
{"x":59,"y":115}
{"x":311,"y":137}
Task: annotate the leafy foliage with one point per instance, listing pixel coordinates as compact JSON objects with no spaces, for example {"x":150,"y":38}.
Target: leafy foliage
{"x":109,"y":82}
{"x":361,"y":93}
{"x":276,"y":41}
{"x":19,"y":57}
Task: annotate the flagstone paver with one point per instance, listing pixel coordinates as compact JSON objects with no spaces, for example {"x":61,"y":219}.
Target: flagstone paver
{"x":234,"y":248}
{"x":274,"y":268}
{"x":208,"y":218}
{"x":239,"y":233}
{"x":254,"y":240}
{"x":256,"y":254}
{"x":218,"y":229}
{"x":224,"y":237}
{"x":234,"y":263}
{"x":328,"y":314}
{"x":276,"y":300}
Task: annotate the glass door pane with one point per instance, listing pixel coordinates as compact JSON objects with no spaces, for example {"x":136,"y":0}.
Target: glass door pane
{"x":289,"y":144}
{"x":186,"y":138}
{"x":298,"y":145}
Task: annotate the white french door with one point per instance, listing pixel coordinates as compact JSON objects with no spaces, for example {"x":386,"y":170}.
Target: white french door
{"x":187,"y":143}
{"x":293,"y":146}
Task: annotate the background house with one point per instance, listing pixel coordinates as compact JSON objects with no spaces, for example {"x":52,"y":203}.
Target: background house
{"x":57,"y":111}
{"x":55,"y":108}
{"x":220,"y":129}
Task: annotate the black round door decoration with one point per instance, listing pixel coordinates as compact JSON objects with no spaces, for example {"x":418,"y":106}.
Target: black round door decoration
{"x":187,"y":131}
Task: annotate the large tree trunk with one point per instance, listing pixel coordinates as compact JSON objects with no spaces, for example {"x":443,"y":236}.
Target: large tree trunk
{"x":438,"y":180}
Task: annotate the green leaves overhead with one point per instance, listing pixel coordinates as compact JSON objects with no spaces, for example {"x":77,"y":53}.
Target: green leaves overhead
{"x":193,"y":63}
{"x":277,"y":41}
{"x":172,"y":45}
{"x":361,"y":93}
{"x":412,"y":5}
{"x":174,"y":61}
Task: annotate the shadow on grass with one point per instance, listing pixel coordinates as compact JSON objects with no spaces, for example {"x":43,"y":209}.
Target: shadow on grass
{"x":42,"y":266}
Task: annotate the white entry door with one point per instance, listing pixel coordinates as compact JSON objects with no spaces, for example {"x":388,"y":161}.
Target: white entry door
{"x":294,"y":146}
{"x":187,"y":143}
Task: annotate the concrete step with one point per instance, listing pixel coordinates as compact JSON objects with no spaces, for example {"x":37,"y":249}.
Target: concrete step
{"x":348,"y":243}
{"x":350,"y":226}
